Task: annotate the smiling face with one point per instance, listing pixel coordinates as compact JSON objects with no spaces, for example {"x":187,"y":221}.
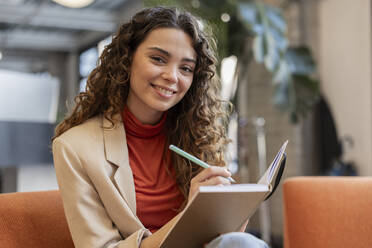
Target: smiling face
{"x":161,"y":73}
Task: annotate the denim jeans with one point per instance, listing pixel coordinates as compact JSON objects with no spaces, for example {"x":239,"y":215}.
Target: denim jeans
{"x":236,"y":240}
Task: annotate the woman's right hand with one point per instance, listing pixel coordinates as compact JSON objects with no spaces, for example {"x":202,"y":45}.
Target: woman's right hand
{"x":214,"y":175}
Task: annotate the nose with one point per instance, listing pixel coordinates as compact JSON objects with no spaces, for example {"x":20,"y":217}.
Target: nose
{"x":170,"y":74}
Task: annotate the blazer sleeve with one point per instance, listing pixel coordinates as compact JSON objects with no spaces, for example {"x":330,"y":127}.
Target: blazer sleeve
{"x":88,"y":221}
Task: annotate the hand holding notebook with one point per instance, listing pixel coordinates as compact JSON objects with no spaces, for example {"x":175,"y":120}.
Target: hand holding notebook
{"x":215,"y":210}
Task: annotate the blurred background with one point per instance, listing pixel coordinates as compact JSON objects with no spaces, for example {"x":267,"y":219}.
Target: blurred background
{"x":295,"y":69}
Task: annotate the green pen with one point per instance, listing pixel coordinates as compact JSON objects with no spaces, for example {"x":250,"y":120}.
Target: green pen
{"x":193,"y":159}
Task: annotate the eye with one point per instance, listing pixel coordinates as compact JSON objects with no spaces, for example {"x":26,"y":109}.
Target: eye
{"x":187,"y":69}
{"x":157,"y":59}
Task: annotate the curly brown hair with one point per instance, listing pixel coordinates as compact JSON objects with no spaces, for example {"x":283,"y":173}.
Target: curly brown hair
{"x":197,"y":123}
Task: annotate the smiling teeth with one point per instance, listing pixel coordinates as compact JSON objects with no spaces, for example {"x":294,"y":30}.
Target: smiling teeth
{"x":162,"y":90}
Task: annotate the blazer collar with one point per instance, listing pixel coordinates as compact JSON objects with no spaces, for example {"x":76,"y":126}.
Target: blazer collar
{"x":116,"y":152}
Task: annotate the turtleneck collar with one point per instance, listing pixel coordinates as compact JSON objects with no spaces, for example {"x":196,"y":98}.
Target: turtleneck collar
{"x":134,"y":127}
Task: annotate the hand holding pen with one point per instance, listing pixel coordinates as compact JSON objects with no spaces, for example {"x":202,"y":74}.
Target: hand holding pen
{"x":194,"y":159}
{"x":212,"y":175}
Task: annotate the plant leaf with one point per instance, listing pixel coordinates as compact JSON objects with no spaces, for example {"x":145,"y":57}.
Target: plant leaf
{"x":300,"y":61}
{"x":247,"y":12}
{"x":276,"y":19}
{"x":259,"y":48}
{"x":280,"y":39}
{"x":282,"y":74}
{"x":273,"y":55}
{"x":281,"y":95}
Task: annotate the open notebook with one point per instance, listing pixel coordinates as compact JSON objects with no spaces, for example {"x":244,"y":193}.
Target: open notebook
{"x":219,"y":209}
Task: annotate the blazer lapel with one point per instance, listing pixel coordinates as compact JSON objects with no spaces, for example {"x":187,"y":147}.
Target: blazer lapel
{"x":116,"y":151}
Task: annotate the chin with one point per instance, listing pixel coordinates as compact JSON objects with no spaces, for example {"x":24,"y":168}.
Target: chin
{"x":163,"y":109}
{"x":162,"y":106}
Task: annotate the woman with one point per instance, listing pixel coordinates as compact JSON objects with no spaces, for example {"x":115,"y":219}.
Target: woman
{"x":154,"y":85}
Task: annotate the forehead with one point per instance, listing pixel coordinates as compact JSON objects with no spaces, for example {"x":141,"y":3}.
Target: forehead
{"x":173,"y":40}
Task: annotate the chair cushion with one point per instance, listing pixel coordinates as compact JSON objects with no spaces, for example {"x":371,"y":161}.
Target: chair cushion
{"x":33,"y":219}
{"x":328,"y":212}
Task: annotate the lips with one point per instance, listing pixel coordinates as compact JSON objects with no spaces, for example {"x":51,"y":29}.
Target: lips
{"x":164,"y":90}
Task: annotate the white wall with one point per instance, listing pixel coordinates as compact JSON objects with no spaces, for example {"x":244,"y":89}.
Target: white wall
{"x":36,"y":178}
{"x":28,"y":97}
{"x":345,"y":68}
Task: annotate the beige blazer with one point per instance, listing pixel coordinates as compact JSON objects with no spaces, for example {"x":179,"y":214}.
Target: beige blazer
{"x":96,"y":185}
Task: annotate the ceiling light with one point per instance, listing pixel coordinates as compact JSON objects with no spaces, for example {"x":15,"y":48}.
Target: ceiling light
{"x":74,"y":3}
{"x":225,"y":17}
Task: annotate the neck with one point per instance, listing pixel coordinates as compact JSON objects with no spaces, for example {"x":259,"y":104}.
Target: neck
{"x":145,"y":117}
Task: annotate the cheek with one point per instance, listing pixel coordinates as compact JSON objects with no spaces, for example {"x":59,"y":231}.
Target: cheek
{"x":147,"y":70}
{"x":141,"y":76}
{"x":186,"y":84}
{"x":134,"y":81}
{"x":142,"y":68}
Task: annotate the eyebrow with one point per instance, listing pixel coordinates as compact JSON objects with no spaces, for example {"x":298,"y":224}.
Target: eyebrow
{"x":168,"y":54}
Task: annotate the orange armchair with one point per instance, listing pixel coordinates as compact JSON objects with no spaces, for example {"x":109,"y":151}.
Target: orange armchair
{"x":328,"y":212}
{"x":33,"y":219}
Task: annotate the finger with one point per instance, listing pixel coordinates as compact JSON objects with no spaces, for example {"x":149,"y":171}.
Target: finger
{"x":218,"y":180}
{"x":212,"y":181}
{"x":212,"y":171}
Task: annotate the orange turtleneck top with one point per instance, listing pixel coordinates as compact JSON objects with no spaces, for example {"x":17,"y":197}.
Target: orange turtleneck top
{"x":157,"y":194}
